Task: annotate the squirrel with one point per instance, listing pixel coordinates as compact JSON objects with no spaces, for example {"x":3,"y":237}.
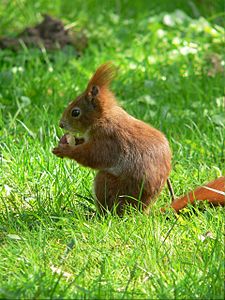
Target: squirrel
{"x":132,"y":158}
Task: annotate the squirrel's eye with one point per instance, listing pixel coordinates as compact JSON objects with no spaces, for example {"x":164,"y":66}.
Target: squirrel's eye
{"x":75,"y":112}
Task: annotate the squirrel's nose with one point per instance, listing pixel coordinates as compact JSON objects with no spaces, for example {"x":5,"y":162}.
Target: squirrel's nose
{"x":61,"y":124}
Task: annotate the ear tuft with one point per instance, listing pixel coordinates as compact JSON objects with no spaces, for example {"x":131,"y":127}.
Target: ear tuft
{"x":102,"y":77}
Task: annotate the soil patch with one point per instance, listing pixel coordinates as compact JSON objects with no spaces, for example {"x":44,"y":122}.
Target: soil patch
{"x":50,"y":33}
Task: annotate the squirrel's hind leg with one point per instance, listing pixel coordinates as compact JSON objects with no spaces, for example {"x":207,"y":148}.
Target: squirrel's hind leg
{"x":106,"y":188}
{"x":114,"y":194}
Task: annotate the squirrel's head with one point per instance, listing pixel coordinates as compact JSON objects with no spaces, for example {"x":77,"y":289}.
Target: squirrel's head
{"x":92,"y":104}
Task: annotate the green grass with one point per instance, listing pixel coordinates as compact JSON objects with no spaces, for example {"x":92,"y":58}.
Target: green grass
{"x":53,"y":245}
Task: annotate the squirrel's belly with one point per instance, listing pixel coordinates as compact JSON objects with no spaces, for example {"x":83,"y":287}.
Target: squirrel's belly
{"x":116,"y":171}
{"x":127,"y":165}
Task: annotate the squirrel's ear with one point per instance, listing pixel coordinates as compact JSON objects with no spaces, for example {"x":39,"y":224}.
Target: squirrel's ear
{"x":93,"y":94}
{"x":94,"y":91}
{"x":99,"y":84}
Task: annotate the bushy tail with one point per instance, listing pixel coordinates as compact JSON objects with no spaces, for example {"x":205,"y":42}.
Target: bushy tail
{"x":213,"y":192}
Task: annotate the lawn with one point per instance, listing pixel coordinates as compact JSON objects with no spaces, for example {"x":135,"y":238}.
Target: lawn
{"x":53,"y":244}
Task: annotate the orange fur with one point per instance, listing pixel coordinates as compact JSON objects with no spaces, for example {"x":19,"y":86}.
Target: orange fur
{"x":103,"y":76}
{"x":133,"y":159}
{"x":210,"y":192}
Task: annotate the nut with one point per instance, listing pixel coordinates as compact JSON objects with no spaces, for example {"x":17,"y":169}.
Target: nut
{"x":68,"y":138}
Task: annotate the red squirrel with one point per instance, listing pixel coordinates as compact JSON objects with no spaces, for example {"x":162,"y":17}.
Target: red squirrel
{"x":133,"y":159}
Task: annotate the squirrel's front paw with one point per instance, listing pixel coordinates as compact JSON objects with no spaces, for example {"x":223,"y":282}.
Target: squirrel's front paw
{"x":61,"y":150}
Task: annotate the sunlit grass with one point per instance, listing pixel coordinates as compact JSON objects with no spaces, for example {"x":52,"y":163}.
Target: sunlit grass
{"x":53,"y":243}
